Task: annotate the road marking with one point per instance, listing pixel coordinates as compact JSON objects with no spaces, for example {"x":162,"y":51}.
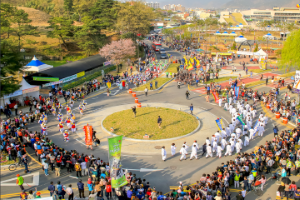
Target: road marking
{"x":116,"y":92}
{"x":225,"y":119}
{"x":213,"y":104}
{"x":81,"y":142}
{"x":73,"y":177}
{"x":35,"y":181}
{"x":164,"y":87}
{"x":34,"y":159}
{"x":145,"y":170}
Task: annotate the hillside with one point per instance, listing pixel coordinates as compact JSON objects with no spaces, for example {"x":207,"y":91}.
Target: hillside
{"x":39,"y":18}
{"x":259,"y":4}
{"x":235,"y":19}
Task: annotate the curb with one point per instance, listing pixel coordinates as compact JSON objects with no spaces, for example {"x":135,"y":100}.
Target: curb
{"x":157,"y":88}
{"x":140,"y":140}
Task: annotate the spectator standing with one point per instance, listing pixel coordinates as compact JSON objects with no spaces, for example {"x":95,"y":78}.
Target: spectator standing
{"x":78,"y":169}
{"x":81,"y":189}
{"x":51,"y":188}
{"x":69,"y":192}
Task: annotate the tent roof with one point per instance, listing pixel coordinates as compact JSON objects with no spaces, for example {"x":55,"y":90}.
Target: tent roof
{"x":34,"y":62}
{"x":36,"y":66}
{"x":25,"y":85}
{"x":261,"y":53}
{"x":68,"y":69}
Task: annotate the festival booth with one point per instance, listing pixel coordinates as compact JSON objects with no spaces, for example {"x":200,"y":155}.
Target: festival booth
{"x":262,"y":58}
{"x":21,"y":96}
{"x":35,"y":66}
{"x":236,"y":28}
{"x":240,"y":39}
{"x":220,"y":56}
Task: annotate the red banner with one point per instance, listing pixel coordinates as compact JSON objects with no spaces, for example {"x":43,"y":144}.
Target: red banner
{"x":88,"y":135}
{"x":216,"y":96}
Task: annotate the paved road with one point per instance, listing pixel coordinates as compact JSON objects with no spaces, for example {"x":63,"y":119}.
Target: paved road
{"x":173,"y":170}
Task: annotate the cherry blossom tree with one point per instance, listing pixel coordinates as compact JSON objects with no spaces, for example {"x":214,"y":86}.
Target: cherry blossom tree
{"x":118,"y":51}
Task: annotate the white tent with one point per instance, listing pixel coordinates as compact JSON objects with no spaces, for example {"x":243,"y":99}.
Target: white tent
{"x":36,"y":66}
{"x":25,"y":90}
{"x":240,"y":39}
{"x":260,"y":53}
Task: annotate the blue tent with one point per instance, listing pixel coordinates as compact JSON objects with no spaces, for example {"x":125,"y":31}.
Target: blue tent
{"x":218,"y":32}
{"x":241,"y":24}
{"x":36,"y":66}
{"x":232,"y":32}
{"x":241,"y":36}
{"x":226,"y":32}
{"x":269,"y":34}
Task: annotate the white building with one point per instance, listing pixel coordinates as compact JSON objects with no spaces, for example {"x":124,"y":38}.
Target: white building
{"x":154,"y":5}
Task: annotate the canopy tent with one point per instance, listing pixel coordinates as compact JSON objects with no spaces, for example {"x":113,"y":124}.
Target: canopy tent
{"x":36,"y":66}
{"x":260,"y":53}
{"x":240,"y":39}
{"x":25,"y":90}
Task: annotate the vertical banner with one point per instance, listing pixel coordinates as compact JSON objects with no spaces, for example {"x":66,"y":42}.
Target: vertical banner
{"x":219,"y":124}
{"x":216,"y":96}
{"x":117,"y":175}
{"x":88,"y":134}
{"x":237,"y":91}
{"x":255,"y":128}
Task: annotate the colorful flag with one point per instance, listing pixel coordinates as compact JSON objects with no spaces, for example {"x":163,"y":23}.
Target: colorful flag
{"x":117,"y":175}
{"x":88,"y":130}
{"x":240,"y":120}
{"x":219,"y":124}
{"x":255,"y":128}
{"x":216,"y":96}
{"x":237,"y":90}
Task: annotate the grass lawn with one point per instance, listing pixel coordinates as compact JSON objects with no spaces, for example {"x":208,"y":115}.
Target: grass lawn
{"x":172,"y":68}
{"x":221,"y":79}
{"x":54,"y":63}
{"x":174,"y":123}
{"x":6,"y":162}
{"x":160,"y":82}
{"x":260,"y":70}
{"x":288,"y":75}
{"x":254,"y":83}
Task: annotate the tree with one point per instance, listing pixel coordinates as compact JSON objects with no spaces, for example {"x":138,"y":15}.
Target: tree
{"x":82,"y":8}
{"x":256,"y":48}
{"x":290,"y":53}
{"x":106,"y":12}
{"x":68,"y":6}
{"x":233,"y":46}
{"x":61,"y":28}
{"x":117,"y":51}
{"x":15,"y":22}
{"x":89,"y":35}
{"x":135,"y":18}
{"x":10,"y":66}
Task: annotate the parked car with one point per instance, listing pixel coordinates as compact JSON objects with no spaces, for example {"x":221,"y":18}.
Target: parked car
{"x":163,"y":56}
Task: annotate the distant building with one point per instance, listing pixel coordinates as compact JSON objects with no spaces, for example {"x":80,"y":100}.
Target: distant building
{"x":174,"y":7}
{"x":153,"y":5}
{"x":276,"y":14}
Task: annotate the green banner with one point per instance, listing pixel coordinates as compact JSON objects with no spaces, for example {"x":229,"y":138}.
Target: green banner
{"x":117,"y":175}
{"x":50,"y":79}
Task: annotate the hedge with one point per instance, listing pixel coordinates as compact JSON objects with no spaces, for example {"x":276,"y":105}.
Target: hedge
{"x":87,"y":78}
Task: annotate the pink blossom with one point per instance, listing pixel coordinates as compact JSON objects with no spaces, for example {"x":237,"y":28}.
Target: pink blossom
{"x":119,"y":50}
